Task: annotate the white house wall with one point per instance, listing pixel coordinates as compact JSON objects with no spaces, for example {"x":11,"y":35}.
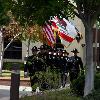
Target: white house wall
{"x":24,"y":48}
{"x":77,"y":22}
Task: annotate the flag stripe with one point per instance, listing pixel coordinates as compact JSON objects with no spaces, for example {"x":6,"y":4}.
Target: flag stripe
{"x":51,"y":32}
{"x":66,"y":37}
{"x":48,"y":32}
{"x":47,"y":35}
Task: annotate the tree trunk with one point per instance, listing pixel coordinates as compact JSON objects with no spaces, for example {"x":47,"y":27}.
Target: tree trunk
{"x":1,"y":60}
{"x":89,"y":77}
{"x":96,"y":35}
{"x":28,"y":47}
{"x":1,"y":52}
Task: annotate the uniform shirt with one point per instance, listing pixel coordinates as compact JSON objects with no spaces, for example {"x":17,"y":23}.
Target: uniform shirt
{"x":29,"y":65}
{"x":49,"y":59}
{"x":64,"y":66}
{"x":38,"y":64}
{"x":76,"y":63}
{"x":33,"y":64}
{"x":54,"y":60}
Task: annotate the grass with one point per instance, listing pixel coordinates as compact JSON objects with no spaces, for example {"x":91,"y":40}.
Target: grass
{"x":62,"y":95}
{"x":53,"y":95}
{"x":7,"y":73}
{"x":95,"y":95}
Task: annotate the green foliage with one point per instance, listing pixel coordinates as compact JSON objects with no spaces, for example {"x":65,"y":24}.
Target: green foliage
{"x":8,"y":65}
{"x":97,"y":81}
{"x":33,"y":11}
{"x":88,"y":10}
{"x":77,"y":85}
{"x":38,"y":11}
{"x":31,"y":36}
{"x":49,"y":79}
{"x":4,"y":18}
{"x":95,"y":95}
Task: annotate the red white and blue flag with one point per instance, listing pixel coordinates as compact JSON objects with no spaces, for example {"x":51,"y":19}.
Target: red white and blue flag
{"x":49,"y":33}
{"x":66,"y":30}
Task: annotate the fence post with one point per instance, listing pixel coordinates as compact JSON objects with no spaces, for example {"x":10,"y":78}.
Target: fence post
{"x":15,"y":82}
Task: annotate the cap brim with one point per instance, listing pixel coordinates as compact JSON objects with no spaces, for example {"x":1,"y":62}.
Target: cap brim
{"x":74,"y":52}
{"x":35,"y":50}
{"x":66,"y":53}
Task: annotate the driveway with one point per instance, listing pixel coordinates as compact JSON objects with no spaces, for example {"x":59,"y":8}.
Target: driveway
{"x":5,"y":91}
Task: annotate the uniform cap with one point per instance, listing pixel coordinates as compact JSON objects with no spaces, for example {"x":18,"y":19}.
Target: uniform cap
{"x":42,"y":47}
{"x":65,"y":52}
{"x":75,"y":51}
{"x":34,"y":48}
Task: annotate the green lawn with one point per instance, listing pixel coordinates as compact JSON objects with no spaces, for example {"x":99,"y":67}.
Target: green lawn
{"x":7,"y":73}
{"x":53,"y":95}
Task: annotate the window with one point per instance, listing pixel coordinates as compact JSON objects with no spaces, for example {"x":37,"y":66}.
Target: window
{"x":14,"y":51}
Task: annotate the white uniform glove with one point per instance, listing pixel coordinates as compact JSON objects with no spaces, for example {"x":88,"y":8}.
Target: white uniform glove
{"x":66,"y":74}
{"x":25,"y":74}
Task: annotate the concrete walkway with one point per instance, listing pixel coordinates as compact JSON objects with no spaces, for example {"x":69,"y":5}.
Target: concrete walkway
{"x":5,"y":92}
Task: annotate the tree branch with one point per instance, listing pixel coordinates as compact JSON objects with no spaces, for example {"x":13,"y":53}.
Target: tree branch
{"x":95,"y":15}
{"x":11,"y":41}
{"x":80,"y":15}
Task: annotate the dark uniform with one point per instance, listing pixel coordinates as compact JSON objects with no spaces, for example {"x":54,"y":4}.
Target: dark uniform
{"x":76,"y":65}
{"x":54,"y":59}
{"x":44,"y":53}
{"x":64,"y":67}
{"x":34,"y":64}
{"x":29,"y":66}
{"x":49,"y":59}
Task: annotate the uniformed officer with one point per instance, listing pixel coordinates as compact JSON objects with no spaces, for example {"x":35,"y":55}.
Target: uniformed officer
{"x":29,"y":66}
{"x":41,"y":63}
{"x":54,"y":58}
{"x":42,"y":51}
{"x":76,"y":65}
{"x":64,"y":67}
{"x":49,"y":57}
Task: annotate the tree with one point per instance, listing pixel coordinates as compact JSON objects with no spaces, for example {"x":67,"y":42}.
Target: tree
{"x":10,"y":29}
{"x":32,"y":34}
{"x":23,"y":11}
{"x":88,"y":12}
{"x":4,"y":20}
{"x":33,"y":11}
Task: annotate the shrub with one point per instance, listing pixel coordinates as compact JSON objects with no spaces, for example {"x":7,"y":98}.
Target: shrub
{"x":47,"y":80}
{"x":77,"y":85}
{"x":97,"y":81}
{"x":95,"y":95}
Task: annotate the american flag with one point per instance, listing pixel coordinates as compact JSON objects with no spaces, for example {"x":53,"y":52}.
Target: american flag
{"x":49,"y":33}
